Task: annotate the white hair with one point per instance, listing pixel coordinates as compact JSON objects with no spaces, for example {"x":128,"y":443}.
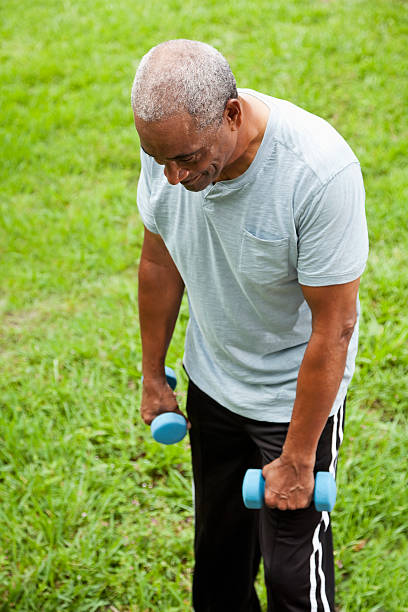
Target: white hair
{"x":183,"y":75}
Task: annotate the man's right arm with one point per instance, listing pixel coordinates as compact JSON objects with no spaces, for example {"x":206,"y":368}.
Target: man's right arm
{"x":160,"y":292}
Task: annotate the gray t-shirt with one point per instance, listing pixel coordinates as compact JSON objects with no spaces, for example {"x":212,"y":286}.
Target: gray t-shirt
{"x":243,"y":246}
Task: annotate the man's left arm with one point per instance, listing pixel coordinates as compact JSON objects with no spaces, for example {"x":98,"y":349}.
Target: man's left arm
{"x":289,"y":480}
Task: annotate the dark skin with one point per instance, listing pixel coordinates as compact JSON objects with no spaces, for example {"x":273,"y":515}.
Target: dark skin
{"x":218,"y":155}
{"x":215,"y":154}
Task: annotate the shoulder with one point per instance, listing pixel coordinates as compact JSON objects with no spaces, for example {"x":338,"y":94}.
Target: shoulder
{"x":316,"y":143}
{"x":312,"y":145}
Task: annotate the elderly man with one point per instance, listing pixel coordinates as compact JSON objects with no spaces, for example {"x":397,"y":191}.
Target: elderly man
{"x":256,"y":207}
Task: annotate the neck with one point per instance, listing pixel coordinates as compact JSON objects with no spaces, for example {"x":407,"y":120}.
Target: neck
{"x":255,"y":118}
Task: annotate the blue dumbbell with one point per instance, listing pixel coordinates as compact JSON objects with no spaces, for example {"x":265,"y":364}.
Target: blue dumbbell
{"x":324,"y":495}
{"x":169,"y":427}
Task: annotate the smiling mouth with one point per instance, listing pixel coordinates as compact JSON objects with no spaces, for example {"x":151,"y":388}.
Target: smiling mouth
{"x":190,"y":181}
{"x":203,"y":176}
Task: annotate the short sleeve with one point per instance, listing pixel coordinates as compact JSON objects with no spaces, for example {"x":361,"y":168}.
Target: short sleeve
{"x":332,"y":232}
{"x":143,"y":194}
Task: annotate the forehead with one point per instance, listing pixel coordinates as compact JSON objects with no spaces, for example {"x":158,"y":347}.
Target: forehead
{"x":171,"y":138}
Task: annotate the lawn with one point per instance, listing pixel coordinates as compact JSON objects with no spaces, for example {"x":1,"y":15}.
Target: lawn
{"x":94,"y":515}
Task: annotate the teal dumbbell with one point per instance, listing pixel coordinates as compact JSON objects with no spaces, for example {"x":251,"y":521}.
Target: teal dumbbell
{"x":169,"y":427}
{"x":324,"y":495}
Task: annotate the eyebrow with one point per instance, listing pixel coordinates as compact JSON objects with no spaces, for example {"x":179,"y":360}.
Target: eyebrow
{"x":177,"y":156}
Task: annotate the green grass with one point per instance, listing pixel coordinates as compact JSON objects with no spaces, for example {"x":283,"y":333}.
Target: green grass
{"x":94,"y":516}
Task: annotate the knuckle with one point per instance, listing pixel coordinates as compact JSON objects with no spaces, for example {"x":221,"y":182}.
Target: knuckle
{"x":270,"y":500}
{"x":147,"y":417}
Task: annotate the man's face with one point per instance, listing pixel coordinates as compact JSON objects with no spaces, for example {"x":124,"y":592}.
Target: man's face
{"x":190,"y":157}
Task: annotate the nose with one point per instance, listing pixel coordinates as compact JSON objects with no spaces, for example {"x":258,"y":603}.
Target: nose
{"x":174,"y":174}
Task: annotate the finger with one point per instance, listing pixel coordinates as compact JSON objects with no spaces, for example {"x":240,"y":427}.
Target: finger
{"x":273,"y":501}
{"x":293,"y":505}
{"x":283,"y":505}
{"x":149,"y":418}
{"x":187,"y":421}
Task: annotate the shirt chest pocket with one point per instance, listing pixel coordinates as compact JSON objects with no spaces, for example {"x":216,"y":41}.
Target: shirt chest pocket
{"x":263,"y":261}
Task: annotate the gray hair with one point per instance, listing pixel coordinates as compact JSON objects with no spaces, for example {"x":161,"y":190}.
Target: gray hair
{"x":183,"y":75}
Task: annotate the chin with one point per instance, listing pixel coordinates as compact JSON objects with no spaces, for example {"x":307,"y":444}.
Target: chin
{"x":198,"y":184}
{"x":201,"y":182}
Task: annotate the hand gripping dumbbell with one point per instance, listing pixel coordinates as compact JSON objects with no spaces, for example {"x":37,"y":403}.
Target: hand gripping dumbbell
{"x":324,"y":495}
{"x":169,"y":427}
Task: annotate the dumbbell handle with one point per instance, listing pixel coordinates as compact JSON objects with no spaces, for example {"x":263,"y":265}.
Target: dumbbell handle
{"x":324,"y":494}
{"x":169,"y":427}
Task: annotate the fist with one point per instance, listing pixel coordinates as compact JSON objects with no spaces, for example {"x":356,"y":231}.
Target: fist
{"x":157,"y":397}
{"x":288,"y":486}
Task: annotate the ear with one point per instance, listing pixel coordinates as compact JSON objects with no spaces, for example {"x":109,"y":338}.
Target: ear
{"x":233,"y":114}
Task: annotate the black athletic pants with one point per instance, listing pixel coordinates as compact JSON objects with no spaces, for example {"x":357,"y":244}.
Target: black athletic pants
{"x":296,"y":545}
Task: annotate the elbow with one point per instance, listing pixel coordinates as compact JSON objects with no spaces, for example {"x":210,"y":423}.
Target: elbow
{"x":347,"y":329}
{"x":337,"y":333}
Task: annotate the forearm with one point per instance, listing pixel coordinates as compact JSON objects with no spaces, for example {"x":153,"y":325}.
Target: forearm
{"x":289,"y":479}
{"x":160,"y":292}
{"x":319,"y":379}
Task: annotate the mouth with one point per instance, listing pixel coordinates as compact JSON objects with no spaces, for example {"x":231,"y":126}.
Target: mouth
{"x":190,"y":181}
